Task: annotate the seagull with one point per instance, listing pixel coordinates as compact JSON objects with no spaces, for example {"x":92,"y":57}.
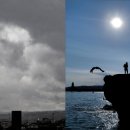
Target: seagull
{"x":93,"y":68}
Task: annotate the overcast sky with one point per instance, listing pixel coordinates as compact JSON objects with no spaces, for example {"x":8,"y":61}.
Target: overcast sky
{"x":32,"y":55}
{"x":92,"y":41}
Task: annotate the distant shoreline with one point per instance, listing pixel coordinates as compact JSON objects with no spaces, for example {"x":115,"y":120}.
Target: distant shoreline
{"x":58,"y":114}
{"x":84,"y":89}
{"x":9,"y":112}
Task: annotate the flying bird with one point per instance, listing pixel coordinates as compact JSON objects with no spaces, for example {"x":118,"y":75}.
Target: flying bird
{"x":93,"y":68}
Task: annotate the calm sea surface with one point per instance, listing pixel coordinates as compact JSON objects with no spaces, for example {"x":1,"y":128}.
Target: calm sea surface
{"x":84,"y":112}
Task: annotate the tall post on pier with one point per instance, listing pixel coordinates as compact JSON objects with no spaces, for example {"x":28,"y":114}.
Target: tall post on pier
{"x":72,"y":85}
{"x":16,"y":120}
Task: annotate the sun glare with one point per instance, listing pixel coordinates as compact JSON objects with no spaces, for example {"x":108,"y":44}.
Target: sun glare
{"x":116,"y":22}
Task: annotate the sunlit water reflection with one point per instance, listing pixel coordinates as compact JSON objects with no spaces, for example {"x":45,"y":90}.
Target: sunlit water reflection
{"x":84,"y":112}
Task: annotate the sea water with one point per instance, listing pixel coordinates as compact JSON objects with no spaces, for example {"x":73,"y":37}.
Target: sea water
{"x":84,"y":111}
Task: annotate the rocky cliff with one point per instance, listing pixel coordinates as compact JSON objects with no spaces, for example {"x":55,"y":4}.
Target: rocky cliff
{"x":117,"y":91}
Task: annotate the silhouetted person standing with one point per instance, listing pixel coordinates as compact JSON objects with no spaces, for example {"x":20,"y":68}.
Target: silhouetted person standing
{"x":126,"y":68}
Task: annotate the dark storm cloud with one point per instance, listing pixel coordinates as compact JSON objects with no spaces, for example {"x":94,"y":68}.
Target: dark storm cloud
{"x":32,"y":54}
{"x":44,"y":19}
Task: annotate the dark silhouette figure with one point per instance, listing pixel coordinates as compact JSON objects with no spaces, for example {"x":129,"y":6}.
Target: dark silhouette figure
{"x":126,"y":68}
{"x":93,"y":68}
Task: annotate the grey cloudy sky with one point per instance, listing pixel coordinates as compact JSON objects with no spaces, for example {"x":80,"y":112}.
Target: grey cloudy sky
{"x":32,"y":55}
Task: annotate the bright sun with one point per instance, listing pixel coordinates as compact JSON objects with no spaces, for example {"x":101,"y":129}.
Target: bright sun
{"x":116,"y":22}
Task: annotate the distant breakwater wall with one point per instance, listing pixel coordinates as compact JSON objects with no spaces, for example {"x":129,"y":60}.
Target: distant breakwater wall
{"x":84,"y":88}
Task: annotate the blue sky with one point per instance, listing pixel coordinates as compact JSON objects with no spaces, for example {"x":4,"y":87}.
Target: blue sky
{"x":92,"y":41}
